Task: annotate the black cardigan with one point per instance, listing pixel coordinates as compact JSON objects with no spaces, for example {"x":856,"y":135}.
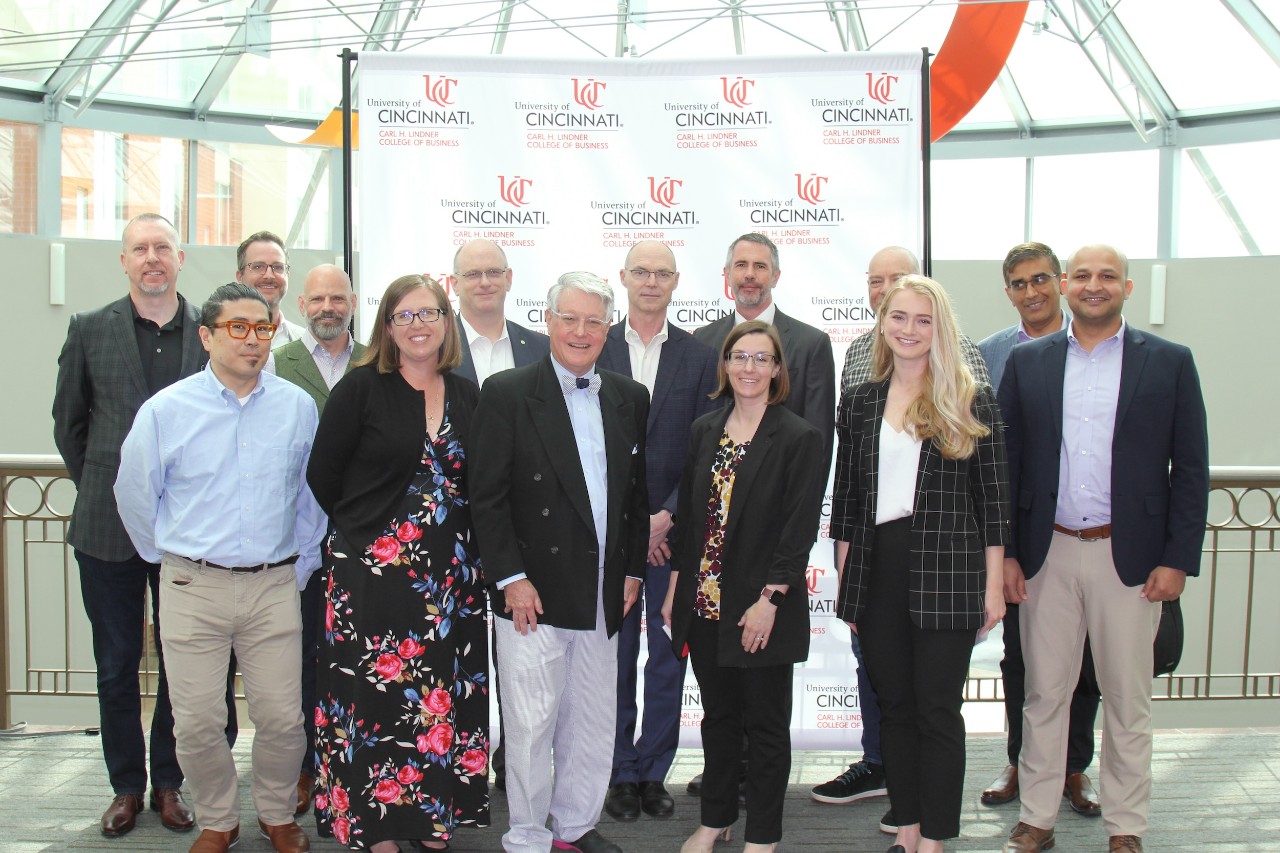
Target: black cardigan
{"x":369,"y":443}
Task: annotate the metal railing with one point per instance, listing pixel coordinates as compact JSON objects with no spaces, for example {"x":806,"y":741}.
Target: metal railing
{"x":1232,"y":648}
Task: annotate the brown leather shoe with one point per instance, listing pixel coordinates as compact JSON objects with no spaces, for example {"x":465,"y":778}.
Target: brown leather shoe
{"x":122,"y":815}
{"x":286,"y":838}
{"x":306,"y":784}
{"x":174,"y":813}
{"x":1004,"y":789}
{"x":215,"y":841}
{"x":1124,"y":844}
{"x":1026,"y":838}
{"x":1081,"y":795}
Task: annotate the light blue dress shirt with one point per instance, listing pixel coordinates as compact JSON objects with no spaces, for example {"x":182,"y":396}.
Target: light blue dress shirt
{"x":206,"y":477}
{"x":588,"y":433}
{"x":1090,"y":394}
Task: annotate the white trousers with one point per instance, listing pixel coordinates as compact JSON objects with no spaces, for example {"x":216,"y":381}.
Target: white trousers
{"x":559,"y":693}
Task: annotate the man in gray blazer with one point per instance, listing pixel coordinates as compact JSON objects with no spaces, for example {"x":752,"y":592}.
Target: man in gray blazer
{"x":490,"y":342}
{"x":315,"y":362}
{"x":1031,"y":275}
{"x":114,"y":358}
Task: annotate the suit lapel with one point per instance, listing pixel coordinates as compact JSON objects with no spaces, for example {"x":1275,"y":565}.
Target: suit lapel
{"x":668,"y":364}
{"x":467,"y":368}
{"x":193,"y":354}
{"x":305,"y":366}
{"x":550,"y":416}
{"x":1052,"y":378}
{"x":127,"y":342}
{"x":620,"y":442}
{"x":1132,"y":361}
{"x":745,"y":477}
{"x":520,"y":354}
{"x":877,"y":399}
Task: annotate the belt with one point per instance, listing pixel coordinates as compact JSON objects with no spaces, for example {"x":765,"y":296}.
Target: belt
{"x":243,"y":570}
{"x":1088,"y":534}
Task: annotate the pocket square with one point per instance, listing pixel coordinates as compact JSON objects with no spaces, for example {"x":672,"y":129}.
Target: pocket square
{"x":635,"y":448}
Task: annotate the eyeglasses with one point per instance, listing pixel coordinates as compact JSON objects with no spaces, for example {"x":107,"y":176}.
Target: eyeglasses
{"x":663,"y":276}
{"x":259,"y":267}
{"x":426,"y":315}
{"x":570,"y":322}
{"x":1039,"y":280}
{"x":240,"y":331}
{"x":740,"y":358}
{"x":475,"y":275}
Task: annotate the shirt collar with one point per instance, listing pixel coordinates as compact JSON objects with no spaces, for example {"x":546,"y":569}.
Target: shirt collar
{"x":1023,"y":337}
{"x":174,"y":323}
{"x":631,"y":336}
{"x":215,"y":384}
{"x":563,"y":371}
{"x":473,"y":335}
{"x":1118,"y":336}
{"x":765,"y":316}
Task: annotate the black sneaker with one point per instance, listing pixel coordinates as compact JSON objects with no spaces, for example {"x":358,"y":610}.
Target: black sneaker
{"x":863,"y":779}
{"x":888,"y":824}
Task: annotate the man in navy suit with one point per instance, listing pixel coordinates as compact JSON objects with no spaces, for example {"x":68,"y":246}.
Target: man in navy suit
{"x":1109,"y":481}
{"x":1032,"y":274}
{"x":490,"y":342}
{"x":680,"y":373}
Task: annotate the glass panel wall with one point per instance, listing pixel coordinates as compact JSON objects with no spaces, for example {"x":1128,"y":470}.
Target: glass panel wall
{"x":109,"y":178}
{"x":979,"y":207}
{"x":245,"y":188}
{"x":1097,"y":198}
{"x":1246,"y":183}
{"x":17,"y":178}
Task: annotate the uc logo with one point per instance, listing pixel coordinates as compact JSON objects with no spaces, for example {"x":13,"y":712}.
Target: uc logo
{"x":881,"y":88}
{"x":513,"y":191}
{"x":810,"y":189}
{"x":737,"y":91}
{"x":588,"y":92}
{"x":440,"y":90}
{"x":663,"y":191}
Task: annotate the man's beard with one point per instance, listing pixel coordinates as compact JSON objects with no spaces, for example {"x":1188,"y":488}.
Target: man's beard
{"x":326,"y":327}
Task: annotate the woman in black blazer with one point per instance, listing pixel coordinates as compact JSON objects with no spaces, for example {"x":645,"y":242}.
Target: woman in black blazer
{"x":746,"y":518}
{"x":920,"y":518}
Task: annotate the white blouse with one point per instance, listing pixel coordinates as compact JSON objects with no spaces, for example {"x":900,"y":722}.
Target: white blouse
{"x":899,"y":462}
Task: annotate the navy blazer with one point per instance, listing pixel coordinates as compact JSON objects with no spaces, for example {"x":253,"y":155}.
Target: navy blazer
{"x":681,"y":393}
{"x":961,"y":508}
{"x":773,"y":521}
{"x":527,"y":346}
{"x":1159,"y":454}
{"x":529,"y":501}
{"x":811,"y":367}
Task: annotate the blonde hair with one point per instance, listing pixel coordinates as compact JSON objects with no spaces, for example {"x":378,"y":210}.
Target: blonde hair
{"x":944,"y":412}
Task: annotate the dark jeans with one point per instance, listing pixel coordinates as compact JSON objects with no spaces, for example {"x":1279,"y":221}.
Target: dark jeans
{"x":754,"y":700}
{"x":113,"y":595}
{"x":649,"y":758}
{"x":313,"y":610}
{"x":919,"y":677}
{"x":1084,"y":701}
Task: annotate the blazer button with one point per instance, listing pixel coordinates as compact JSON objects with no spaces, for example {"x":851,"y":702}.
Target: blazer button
{"x":555,"y":549}
{"x":545,"y":512}
{"x":537,"y":478}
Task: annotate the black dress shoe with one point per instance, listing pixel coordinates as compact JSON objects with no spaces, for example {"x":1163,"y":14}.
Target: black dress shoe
{"x":694,"y":788}
{"x":623,"y":801}
{"x":592,"y":842}
{"x":655,"y":801}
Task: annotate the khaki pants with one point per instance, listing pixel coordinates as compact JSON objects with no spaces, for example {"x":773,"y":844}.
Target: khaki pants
{"x":204,"y":614}
{"x":1077,"y":590}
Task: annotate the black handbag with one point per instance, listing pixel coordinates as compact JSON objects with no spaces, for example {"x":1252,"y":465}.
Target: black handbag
{"x":1169,"y":637}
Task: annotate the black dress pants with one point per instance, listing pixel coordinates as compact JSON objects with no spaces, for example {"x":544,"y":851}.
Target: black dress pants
{"x":919,"y":677}
{"x":754,"y":700}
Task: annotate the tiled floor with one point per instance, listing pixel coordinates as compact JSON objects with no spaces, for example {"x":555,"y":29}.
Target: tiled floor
{"x":1215,"y":790}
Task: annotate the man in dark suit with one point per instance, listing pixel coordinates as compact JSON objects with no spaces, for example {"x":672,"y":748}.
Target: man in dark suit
{"x":114,"y":358}
{"x":680,"y":373}
{"x":752,"y":271}
{"x":1109,"y":480}
{"x":315,"y":362}
{"x":561,"y":513}
{"x":1032,"y":274}
{"x":490,"y":342}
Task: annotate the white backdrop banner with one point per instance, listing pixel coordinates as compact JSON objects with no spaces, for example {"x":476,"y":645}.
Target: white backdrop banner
{"x":566,"y":164}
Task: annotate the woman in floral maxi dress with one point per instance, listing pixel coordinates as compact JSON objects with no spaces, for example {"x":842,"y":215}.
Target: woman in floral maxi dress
{"x":402,"y":720}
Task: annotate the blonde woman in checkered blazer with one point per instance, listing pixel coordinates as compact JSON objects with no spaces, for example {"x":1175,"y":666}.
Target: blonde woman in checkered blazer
{"x":920,"y":518}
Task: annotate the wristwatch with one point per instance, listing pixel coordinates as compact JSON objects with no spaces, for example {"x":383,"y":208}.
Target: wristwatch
{"x":773,"y":596}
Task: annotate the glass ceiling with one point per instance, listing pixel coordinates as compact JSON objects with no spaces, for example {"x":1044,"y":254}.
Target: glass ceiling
{"x":1145,"y":62}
